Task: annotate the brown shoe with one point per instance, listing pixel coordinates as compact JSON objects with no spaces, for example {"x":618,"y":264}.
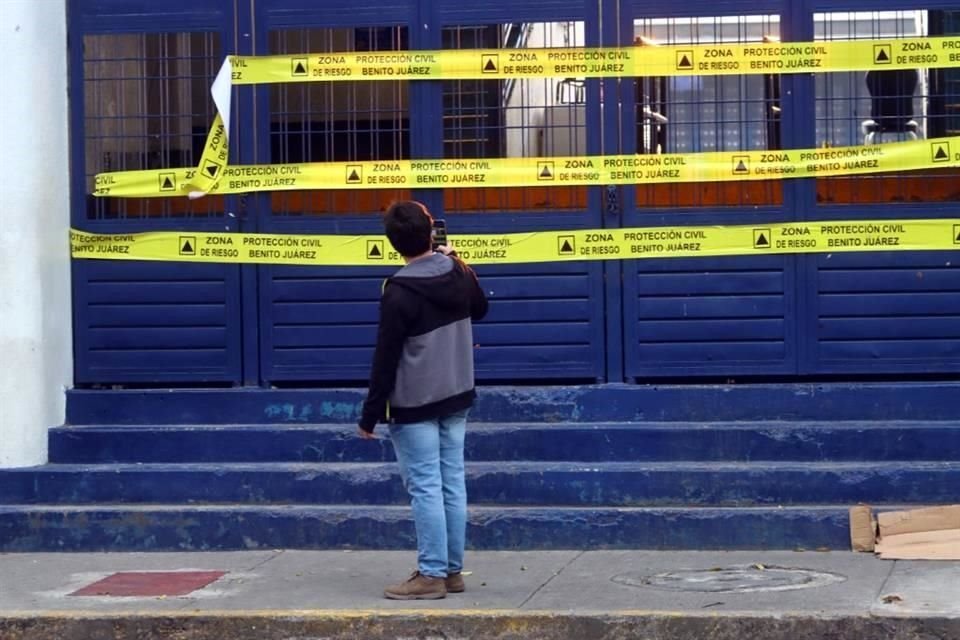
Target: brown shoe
{"x":417,"y":587}
{"x":455,"y":583}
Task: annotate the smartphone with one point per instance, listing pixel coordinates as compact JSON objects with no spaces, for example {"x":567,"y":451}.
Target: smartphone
{"x":439,"y":233}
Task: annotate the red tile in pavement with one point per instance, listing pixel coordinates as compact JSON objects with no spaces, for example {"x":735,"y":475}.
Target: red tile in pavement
{"x":150,"y":583}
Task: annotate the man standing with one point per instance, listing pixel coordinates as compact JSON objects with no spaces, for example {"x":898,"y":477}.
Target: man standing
{"x":421,"y":383}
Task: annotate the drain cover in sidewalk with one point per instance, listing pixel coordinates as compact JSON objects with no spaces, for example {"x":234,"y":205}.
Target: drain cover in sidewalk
{"x":733,"y":579}
{"x":150,"y":583}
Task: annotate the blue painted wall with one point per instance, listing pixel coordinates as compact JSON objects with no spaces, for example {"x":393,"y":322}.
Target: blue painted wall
{"x":820,"y":315}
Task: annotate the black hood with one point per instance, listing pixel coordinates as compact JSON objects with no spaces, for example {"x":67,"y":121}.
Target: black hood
{"x":438,"y":278}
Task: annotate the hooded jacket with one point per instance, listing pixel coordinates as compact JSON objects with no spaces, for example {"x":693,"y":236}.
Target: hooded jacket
{"x":423,"y":363}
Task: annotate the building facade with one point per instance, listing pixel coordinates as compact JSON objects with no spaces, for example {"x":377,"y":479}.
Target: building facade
{"x":116,"y":85}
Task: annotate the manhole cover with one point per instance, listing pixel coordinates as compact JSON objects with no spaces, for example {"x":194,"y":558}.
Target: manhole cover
{"x":734,"y":579}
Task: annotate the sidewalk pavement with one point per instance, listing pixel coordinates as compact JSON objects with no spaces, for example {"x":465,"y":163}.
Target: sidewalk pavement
{"x":541,"y":594}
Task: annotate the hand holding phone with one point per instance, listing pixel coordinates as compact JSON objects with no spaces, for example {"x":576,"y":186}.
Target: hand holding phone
{"x":439,"y":233}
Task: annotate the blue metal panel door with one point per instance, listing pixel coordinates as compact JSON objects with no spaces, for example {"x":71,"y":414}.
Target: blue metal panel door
{"x":143,"y":71}
{"x":719,"y":316}
{"x":140,"y":74}
{"x":545,"y":321}
{"x":319,"y":324}
{"x":881,"y":313}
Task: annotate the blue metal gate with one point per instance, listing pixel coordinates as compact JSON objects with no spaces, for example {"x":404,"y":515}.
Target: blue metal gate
{"x":140,"y":75}
{"x":319,"y":324}
{"x":717,"y":316}
{"x":816,"y":315}
{"x":143,"y":71}
{"x":889,"y":313}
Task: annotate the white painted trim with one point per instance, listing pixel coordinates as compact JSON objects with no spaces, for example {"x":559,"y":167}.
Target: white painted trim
{"x":35,"y":310}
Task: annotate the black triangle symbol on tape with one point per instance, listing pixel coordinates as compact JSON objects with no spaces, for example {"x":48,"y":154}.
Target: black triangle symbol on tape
{"x":941,"y":154}
{"x":212,"y":170}
{"x":187,"y":247}
{"x":957,"y":239}
{"x":375,"y":251}
{"x":167,"y":184}
{"x":741,"y":168}
{"x":684,"y":63}
{"x":882,"y":56}
{"x":546,"y":172}
{"x":566,"y":248}
{"x":354,"y":177}
{"x":489,"y":66}
{"x":300,"y":69}
{"x":762,"y":241}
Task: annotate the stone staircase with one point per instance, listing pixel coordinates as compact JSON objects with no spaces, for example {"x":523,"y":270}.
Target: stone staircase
{"x":711,"y":467}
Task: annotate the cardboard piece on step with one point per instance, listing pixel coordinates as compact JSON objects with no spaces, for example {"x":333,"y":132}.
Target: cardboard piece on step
{"x":863,"y":528}
{"x":920,"y":534}
{"x":923,"y":545}
{"x":894,"y":523}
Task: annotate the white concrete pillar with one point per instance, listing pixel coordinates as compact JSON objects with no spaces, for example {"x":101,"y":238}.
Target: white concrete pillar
{"x":36,"y":359}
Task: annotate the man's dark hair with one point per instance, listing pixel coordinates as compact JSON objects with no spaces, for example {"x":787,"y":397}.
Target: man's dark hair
{"x":409,"y":228}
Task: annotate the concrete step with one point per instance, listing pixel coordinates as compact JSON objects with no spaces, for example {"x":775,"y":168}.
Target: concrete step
{"x":445,"y":622}
{"x":490,"y":483}
{"x":880,"y":401}
{"x":177,"y":527}
{"x":587,"y":442}
{"x":755,"y":466}
{"x":537,"y":595}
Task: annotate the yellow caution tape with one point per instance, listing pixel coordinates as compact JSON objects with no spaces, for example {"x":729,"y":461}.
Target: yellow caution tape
{"x":724,"y":166}
{"x":213,"y":161}
{"x":671,"y":60}
{"x":216,"y":149}
{"x":825,"y":236}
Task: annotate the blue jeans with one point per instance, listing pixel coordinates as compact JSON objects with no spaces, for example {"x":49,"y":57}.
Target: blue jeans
{"x":431,"y":463}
